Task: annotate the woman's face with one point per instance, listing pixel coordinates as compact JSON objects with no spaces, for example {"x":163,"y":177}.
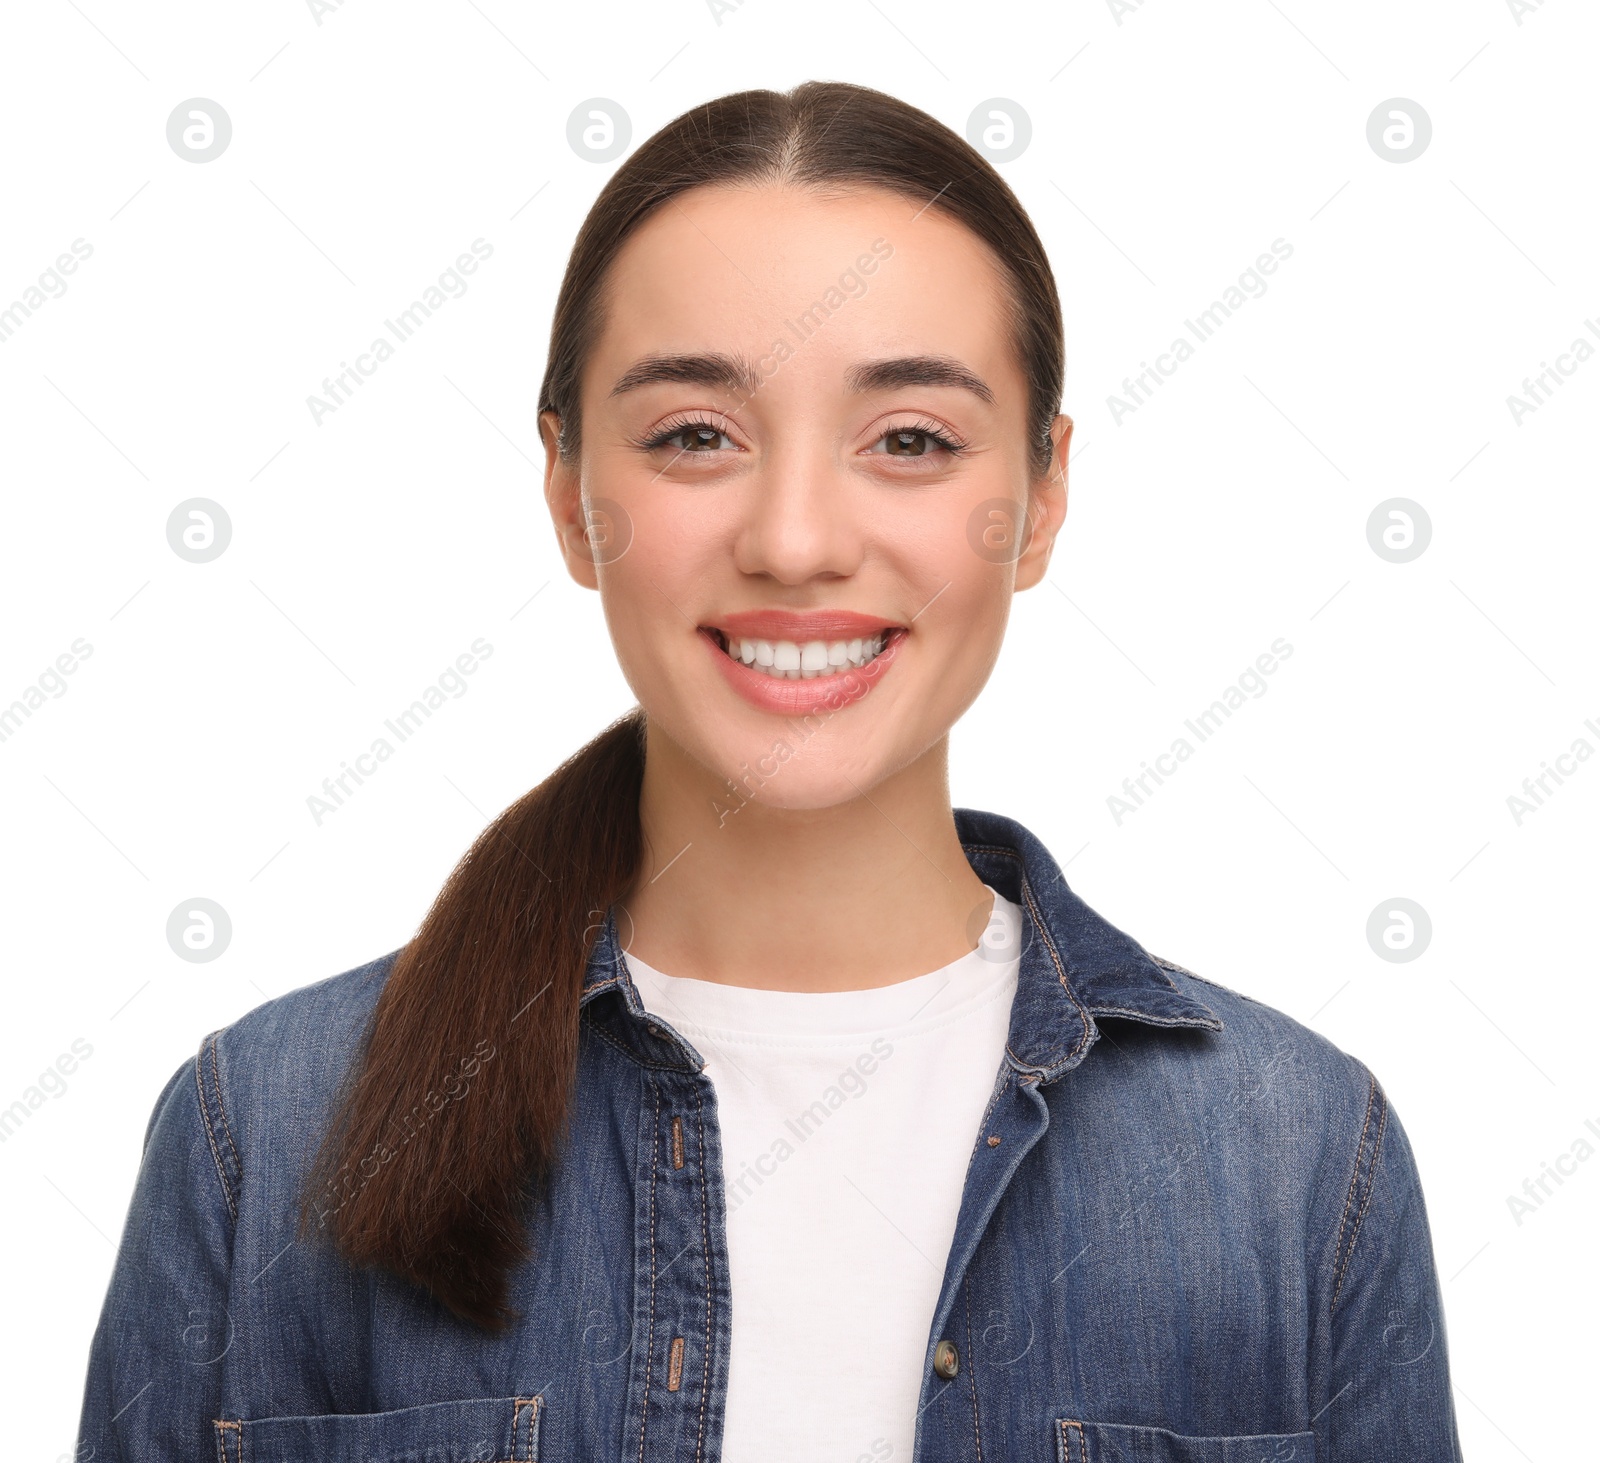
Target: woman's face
{"x":803,"y":436}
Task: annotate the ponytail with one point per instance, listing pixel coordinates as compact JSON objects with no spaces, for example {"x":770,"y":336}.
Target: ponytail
{"x":458,"y":1099}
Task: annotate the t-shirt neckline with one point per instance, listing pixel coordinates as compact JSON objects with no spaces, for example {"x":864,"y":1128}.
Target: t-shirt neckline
{"x":930,"y":999}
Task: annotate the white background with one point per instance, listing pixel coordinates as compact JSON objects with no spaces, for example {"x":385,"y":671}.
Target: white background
{"x":1169,"y":148}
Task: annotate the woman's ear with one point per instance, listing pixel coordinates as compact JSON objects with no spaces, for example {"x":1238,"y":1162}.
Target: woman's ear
{"x":1047,"y":507}
{"x":563,"y":494}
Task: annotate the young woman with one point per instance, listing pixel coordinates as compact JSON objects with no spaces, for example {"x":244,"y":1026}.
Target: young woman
{"x":739,"y":1098}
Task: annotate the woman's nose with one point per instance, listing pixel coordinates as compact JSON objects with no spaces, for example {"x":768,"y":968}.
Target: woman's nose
{"x":800,"y":518}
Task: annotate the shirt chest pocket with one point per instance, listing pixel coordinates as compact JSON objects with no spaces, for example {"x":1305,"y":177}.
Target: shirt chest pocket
{"x":478,"y":1430}
{"x":1104,"y":1442}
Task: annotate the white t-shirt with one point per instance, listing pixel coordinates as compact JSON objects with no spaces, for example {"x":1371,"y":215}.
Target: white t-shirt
{"x":848,"y":1120}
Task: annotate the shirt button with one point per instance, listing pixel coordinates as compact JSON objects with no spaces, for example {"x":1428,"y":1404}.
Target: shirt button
{"x":946,"y":1359}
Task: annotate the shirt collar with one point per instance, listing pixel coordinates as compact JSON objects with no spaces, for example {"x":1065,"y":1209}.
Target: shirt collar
{"x":1074,"y":966}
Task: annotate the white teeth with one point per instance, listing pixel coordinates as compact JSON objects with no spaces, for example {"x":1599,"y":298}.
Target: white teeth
{"x":805,"y":660}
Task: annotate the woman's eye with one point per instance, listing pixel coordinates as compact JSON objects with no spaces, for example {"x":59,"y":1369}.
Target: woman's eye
{"x":697,"y":437}
{"x":703,"y":439}
{"x":914,"y":442}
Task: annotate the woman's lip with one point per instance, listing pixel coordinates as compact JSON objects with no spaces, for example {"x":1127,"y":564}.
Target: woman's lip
{"x":785,"y":697}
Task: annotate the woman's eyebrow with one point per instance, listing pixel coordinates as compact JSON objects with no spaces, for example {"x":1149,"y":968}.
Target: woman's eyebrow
{"x":712,"y":369}
{"x":917,"y":371}
{"x":735,"y":373}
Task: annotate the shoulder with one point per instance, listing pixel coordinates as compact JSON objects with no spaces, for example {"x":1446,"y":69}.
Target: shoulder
{"x":306,"y":1021}
{"x":245,"y":1112}
{"x":275,"y":1071}
{"x":1314,"y":1115}
{"x":1328,"y":1136}
{"x":1260,"y":1037}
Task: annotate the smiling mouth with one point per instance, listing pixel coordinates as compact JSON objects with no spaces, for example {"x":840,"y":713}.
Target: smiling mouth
{"x":803,"y":660}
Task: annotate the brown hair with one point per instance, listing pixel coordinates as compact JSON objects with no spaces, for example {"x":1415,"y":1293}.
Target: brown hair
{"x":455,"y":1107}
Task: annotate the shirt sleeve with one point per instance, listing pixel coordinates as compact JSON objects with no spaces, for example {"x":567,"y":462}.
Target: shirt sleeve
{"x":1389,"y":1399}
{"x":155,"y":1361}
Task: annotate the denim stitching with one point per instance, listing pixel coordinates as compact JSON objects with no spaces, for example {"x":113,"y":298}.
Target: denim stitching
{"x":629,"y":1052}
{"x":1349,"y":1200}
{"x":1372,"y":1176}
{"x":705,"y":1250}
{"x":1069,"y":1431}
{"x":1144,"y":1016}
{"x":222,"y":1111}
{"x":1372,"y":1184}
{"x":522,"y":1453}
{"x":1061,"y":973}
{"x":650,"y":1331}
{"x":972,"y":1372}
{"x":223,"y":1429}
{"x":1376,"y":1101}
{"x":216,"y":1153}
{"x":516,"y":1423}
{"x":1050,"y":945}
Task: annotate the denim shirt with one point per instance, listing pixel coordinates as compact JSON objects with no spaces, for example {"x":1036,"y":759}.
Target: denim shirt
{"x":1190,"y":1232}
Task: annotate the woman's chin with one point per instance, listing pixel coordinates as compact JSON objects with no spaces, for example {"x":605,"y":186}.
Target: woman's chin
{"x":787,"y":773}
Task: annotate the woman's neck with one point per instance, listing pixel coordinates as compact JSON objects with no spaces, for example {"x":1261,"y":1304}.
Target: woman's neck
{"x":872,"y":890}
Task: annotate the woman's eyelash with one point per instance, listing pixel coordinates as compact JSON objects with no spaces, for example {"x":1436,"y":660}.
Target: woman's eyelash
{"x":951,"y":443}
{"x":676,"y":427}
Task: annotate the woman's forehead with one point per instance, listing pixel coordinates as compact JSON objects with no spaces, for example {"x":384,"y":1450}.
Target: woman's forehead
{"x":842,"y":280}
